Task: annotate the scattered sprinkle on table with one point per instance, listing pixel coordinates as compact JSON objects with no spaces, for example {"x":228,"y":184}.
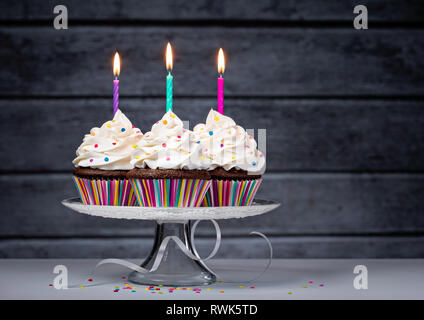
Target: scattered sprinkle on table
{"x":221,"y":291}
{"x":241,"y":287}
{"x":252,"y":287}
{"x":289,"y":292}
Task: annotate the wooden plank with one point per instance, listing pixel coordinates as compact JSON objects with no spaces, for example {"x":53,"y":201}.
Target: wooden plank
{"x":224,"y":10}
{"x":260,"y":61}
{"x":316,"y":204}
{"x":302,"y":135}
{"x":235,"y":248}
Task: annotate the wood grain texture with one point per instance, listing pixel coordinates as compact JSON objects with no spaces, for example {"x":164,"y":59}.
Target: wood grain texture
{"x":312,"y":204}
{"x":234,"y":248}
{"x":302,"y":135}
{"x":224,"y":10}
{"x":77,"y":62}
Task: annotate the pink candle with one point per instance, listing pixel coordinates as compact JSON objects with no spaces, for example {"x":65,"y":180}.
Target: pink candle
{"x":116,"y":71}
{"x":221,"y":69}
{"x":221,"y":94}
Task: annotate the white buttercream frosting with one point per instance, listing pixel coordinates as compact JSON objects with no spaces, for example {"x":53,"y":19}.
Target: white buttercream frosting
{"x":227,"y":145}
{"x":168,"y":146}
{"x":109,"y":147}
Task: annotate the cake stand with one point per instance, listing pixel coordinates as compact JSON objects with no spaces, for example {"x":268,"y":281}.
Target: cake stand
{"x":176,"y":268}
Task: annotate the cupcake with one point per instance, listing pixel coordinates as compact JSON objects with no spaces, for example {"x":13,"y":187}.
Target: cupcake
{"x":234,"y":162}
{"x":169,"y":166}
{"x":103,"y":160}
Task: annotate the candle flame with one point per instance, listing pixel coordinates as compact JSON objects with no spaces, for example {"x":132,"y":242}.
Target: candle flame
{"x":221,"y":61}
{"x":116,"y":65}
{"x":168,"y":57}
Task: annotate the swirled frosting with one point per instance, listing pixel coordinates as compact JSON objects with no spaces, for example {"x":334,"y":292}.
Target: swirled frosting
{"x":109,"y":147}
{"x":227,"y":145}
{"x":168,"y":146}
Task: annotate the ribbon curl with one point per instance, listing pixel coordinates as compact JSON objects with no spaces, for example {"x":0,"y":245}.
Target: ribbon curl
{"x":192,"y":255}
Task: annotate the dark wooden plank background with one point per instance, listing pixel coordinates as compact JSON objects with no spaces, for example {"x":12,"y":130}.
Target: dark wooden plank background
{"x":343,"y":111}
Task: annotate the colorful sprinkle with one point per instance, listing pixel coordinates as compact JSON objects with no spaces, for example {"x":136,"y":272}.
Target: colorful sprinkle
{"x":210,"y":133}
{"x":179,"y":137}
{"x":93,"y":134}
{"x":172,"y":115}
{"x":252,"y":287}
{"x":311,"y":282}
{"x":321,"y":285}
{"x":138,"y":157}
{"x":114,"y":143}
{"x":220,"y":280}
{"x":253,"y":163}
{"x":165,"y":122}
{"x":135,"y":146}
{"x":106,"y":159}
{"x":198,"y":142}
{"x":241,"y":287}
{"x":96,"y":145}
{"x":113,"y":120}
{"x":168,"y":158}
{"x":222,"y":145}
{"x":90,"y":279}
{"x":289,"y":292}
{"x":91,"y":160}
{"x":50,"y":285}
{"x":221,"y":291}
{"x":216,"y":119}
{"x":122,"y":129}
{"x":304,"y":286}
{"x":164,"y":145}
{"x":124,"y":277}
{"x":202,"y":158}
{"x":208,"y":289}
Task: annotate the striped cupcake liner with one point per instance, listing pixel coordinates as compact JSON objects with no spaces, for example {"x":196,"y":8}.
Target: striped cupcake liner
{"x":105,"y":192}
{"x":170,"y":192}
{"x":231,"y":193}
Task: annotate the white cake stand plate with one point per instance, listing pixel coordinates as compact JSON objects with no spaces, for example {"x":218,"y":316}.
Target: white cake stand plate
{"x":176,"y":268}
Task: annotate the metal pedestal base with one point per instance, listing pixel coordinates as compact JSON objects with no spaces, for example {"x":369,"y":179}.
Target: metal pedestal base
{"x":175,"y":269}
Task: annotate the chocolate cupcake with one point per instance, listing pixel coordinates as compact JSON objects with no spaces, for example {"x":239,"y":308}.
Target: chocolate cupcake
{"x":103,"y":160}
{"x":234,"y":162}
{"x":169,"y":166}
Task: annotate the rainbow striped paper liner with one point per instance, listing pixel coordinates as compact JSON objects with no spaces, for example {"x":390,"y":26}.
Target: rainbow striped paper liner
{"x":170,"y":192}
{"x":231,"y":193}
{"x":105,"y":192}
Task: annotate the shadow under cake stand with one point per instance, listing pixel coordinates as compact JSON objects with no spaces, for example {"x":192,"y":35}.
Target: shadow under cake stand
{"x":175,"y":268}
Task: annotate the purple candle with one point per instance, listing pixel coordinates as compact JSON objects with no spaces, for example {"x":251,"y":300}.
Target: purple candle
{"x":116,"y":71}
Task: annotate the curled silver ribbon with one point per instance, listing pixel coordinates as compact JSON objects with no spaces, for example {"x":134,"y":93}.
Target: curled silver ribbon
{"x":192,"y":255}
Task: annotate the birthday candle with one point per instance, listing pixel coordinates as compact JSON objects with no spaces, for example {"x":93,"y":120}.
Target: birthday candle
{"x":169,"y":78}
{"x":221,"y":69}
{"x":116,"y":71}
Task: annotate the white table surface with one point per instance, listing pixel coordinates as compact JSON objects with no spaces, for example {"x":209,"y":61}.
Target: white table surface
{"x":387,"y":279}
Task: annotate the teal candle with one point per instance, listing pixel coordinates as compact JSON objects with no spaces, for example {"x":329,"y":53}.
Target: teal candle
{"x":169,"y":78}
{"x":169,"y":90}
